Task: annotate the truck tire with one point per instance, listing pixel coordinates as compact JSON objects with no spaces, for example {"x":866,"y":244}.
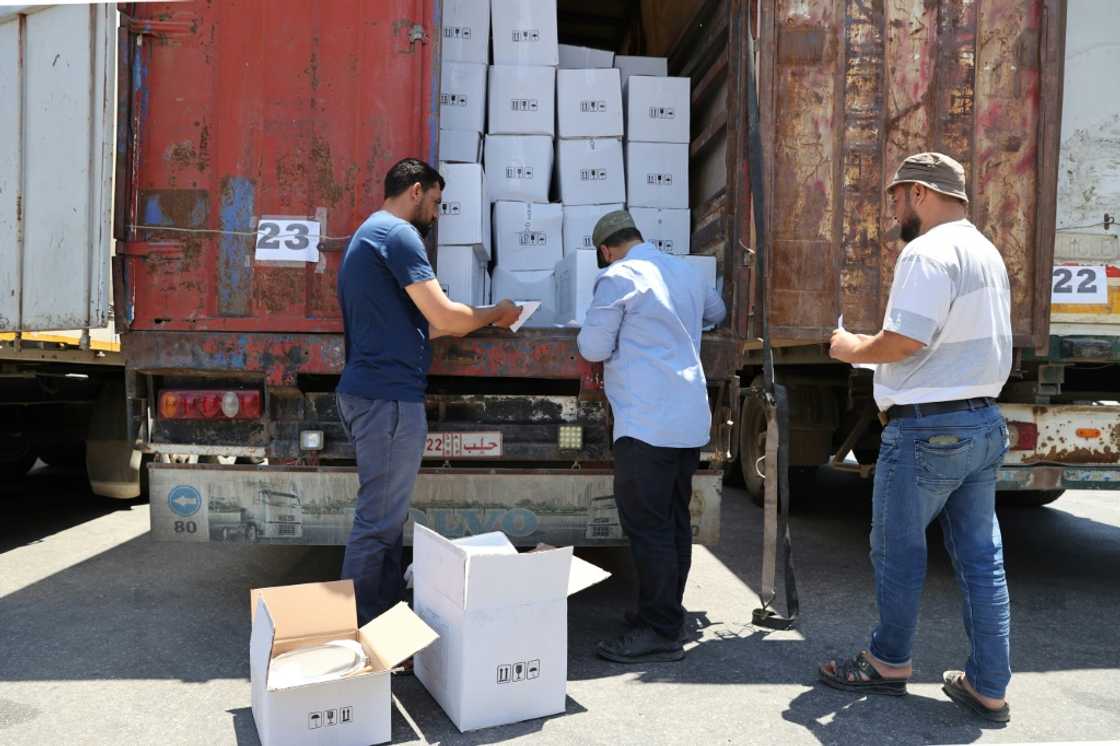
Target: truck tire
{"x":1028,"y":498}
{"x":752,"y":444}
{"x":112,"y":463}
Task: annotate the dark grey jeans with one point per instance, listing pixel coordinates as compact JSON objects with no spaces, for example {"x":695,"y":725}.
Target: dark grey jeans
{"x":388,"y":438}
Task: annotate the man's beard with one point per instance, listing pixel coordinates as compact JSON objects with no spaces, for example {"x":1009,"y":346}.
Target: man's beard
{"x":423,"y":228}
{"x":910,"y":228}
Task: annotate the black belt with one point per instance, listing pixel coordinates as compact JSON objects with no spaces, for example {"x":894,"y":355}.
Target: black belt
{"x":907,"y":411}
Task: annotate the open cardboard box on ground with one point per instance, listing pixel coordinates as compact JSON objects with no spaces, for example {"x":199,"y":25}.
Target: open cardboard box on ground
{"x":502,"y":619}
{"x":352,"y":711}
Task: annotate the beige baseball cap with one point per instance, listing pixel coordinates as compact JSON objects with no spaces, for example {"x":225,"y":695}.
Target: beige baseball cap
{"x":609,"y":224}
{"x":935,"y":171}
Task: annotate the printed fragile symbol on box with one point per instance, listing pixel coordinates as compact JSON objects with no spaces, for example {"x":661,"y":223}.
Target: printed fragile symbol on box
{"x":665,"y":246}
{"x":457,"y":32}
{"x":659,"y":179}
{"x":524,"y":104}
{"x":533,"y":238}
{"x":513,"y":673}
{"x":593,"y":107}
{"x":522,"y":35}
{"x":451,"y":208}
{"x":593,"y":174}
{"x":519,"y":172}
{"x":453,"y":99}
{"x":662,"y":112}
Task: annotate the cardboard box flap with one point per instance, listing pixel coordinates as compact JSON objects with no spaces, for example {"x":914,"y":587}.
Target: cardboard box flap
{"x":514,"y":580}
{"x":395,"y":636}
{"x":439,"y":565}
{"x":309,"y":609}
{"x":584,"y":575}
{"x":494,"y":542}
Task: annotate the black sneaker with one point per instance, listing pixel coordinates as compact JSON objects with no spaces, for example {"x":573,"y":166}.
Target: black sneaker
{"x":633,"y":620}
{"x":640,"y":645}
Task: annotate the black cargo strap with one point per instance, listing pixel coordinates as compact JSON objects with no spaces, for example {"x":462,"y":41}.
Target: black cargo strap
{"x":776,"y":503}
{"x":776,"y":520}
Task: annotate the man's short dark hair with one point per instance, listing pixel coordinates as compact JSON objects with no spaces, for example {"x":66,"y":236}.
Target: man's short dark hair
{"x":407,"y":172}
{"x":625,"y":235}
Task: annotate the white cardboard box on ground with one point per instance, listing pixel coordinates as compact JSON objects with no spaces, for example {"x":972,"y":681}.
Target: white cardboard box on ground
{"x":588,"y":103}
{"x":519,"y":167}
{"x":590,"y":171}
{"x":670,"y":230}
{"x":502,"y":655}
{"x":525,"y":32}
{"x":460,"y":146}
{"x":584,"y":58}
{"x":657,"y":109}
{"x":706,"y":266}
{"x":462,"y":96}
{"x":522,"y":100}
{"x":629,"y":65}
{"x":353,"y":711}
{"x":530,"y":285}
{"x":528,"y":235}
{"x":464,"y":214}
{"x":579,"y":225}
{"x":657,"y":174}
{"x":461,"y":271}
{"x":575,"y":285}
{"x":466,"y":31}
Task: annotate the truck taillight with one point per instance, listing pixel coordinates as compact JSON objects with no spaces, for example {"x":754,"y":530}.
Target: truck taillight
{"x":1023,"y":436}
{"x":209,"y":405}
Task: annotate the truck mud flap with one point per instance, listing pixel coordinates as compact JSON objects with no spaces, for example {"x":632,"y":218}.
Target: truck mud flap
{"x":297,"y":505}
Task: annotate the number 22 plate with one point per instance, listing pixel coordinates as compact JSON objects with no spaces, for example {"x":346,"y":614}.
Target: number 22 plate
{"x":1079,"y":285}
{"x":463,"y":445}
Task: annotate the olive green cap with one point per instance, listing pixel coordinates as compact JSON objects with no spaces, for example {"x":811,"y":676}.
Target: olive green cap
{"x":609,"y":224}
{"x":935,"y":171}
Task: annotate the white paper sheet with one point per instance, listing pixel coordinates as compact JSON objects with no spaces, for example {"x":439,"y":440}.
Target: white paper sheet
{"x":866,"y":366}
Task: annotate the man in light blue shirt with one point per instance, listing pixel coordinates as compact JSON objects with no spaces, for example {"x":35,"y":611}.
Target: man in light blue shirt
{"x":645,"y":324}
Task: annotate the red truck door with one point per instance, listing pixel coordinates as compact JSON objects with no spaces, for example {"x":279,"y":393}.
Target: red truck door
{"x":244,"y":109}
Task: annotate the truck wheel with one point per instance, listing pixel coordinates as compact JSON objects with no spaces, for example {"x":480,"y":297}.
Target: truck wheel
{"x":752,"y":444}
{"x":1028,"y":498}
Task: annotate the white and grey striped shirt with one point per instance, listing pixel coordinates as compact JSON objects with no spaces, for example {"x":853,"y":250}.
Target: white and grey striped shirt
{"x":950,"y":292}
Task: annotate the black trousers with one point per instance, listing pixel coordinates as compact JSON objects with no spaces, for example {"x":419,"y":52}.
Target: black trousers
{"x":652,"y":488}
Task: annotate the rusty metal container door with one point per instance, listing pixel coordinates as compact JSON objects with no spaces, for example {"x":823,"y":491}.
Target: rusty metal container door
{"x":247,"y":108}
{"x":850,"y":88}
{"x":56,"y":149}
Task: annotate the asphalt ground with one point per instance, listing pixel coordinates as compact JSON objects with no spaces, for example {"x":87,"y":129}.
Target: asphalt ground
{"x":107,"y":637}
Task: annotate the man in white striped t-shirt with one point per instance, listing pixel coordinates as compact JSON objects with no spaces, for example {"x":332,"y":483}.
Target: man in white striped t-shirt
{"x":943,"y":356}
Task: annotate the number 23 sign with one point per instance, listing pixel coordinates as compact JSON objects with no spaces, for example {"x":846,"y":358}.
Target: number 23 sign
{"x":1079,"y":285}
{"x":287,"y":240}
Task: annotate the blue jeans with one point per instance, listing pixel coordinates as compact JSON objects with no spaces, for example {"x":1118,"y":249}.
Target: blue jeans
{"x":942,"y":466}
{"x":388,"y":438}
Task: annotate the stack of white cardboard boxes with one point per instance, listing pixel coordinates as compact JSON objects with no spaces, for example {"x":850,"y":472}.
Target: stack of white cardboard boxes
{"x":464,"y":251}
{"x":599,"y":133}
{"x":519,"y":154}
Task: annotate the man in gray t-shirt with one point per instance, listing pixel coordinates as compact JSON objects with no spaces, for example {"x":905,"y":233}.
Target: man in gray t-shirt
{"x":942,"y":357}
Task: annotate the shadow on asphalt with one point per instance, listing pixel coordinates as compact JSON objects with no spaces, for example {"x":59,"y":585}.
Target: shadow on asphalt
{"x":174,"y":611}
{"x":49,"y":500}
